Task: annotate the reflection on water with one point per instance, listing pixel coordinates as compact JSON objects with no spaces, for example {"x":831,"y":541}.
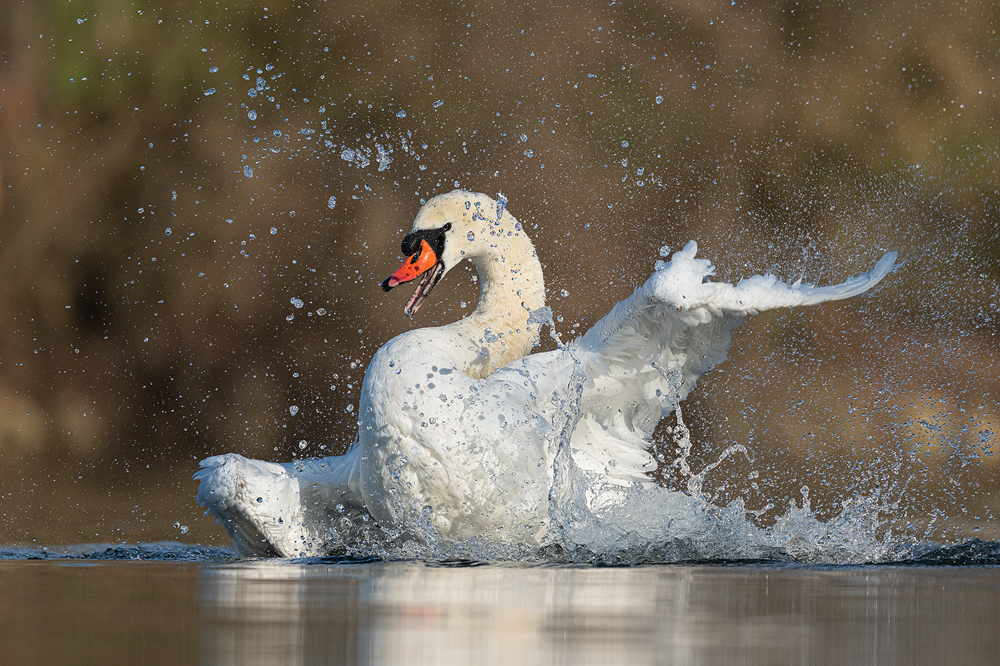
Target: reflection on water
{"x":413,"y":613}
{"x":409,"y":613}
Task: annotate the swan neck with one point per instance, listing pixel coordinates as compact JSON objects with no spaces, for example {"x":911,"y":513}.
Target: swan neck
{"x":511,"y":286}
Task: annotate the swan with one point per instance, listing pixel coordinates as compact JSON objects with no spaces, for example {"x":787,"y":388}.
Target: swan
{"x":459,"y":426}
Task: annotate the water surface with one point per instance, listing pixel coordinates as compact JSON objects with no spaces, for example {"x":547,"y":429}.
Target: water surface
{"x":204,"y":606}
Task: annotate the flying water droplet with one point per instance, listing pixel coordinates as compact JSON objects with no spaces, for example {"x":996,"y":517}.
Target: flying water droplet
{"x":297,"y":302}
{"x":210,"y":91}
{"x":248,"y":172}
{"x":274,"y":230}
{"x":383,"y":157}
{"x":321,"y":311}
{"x":303,"y":444}
{"x":659,"y":99}
{"x":401,"y":114}
{"x":169,"y":231}
{"x":438,"y":103}
{"x":252,"y":115}
{"x":665,"y":251}
{"x":331,"y":202}
{"x":293,"y":410}
{"x":471,"y":236}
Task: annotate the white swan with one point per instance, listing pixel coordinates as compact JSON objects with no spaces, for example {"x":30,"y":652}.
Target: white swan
{"x":459,"y":428}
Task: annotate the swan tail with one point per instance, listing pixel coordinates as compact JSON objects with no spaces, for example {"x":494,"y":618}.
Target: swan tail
{"x":646,"y":355}
{"x":267,"y":508}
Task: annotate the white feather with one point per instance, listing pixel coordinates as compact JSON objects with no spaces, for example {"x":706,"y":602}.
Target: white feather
{"x":442,"y":446}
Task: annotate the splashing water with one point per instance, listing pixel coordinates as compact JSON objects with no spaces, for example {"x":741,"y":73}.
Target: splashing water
{"x":629,"y":524}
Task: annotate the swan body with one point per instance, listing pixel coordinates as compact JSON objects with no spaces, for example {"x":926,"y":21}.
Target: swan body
{"x":460,"y":427}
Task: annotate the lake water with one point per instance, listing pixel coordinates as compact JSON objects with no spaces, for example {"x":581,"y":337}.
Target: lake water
{"x":188,"y":605}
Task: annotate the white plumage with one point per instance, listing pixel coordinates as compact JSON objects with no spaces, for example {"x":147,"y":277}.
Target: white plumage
{"x":460,"y":429}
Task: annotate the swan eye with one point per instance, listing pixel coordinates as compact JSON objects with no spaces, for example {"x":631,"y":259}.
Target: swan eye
{"x":446,"y":227}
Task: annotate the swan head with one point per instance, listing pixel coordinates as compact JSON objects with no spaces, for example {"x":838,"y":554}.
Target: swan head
{"x":449,"y":228}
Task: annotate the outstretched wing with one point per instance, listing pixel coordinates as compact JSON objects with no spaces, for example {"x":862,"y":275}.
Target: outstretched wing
{"x":645,"y":356}
{"x":278,"y":509}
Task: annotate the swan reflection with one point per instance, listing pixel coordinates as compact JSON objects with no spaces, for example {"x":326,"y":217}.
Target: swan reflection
{"x":414,"y":613}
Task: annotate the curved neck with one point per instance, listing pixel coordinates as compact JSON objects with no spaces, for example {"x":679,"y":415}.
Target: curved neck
{"x":511,"y":286}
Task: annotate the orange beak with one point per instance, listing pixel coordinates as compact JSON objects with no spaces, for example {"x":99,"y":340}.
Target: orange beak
{"x":412,"y":268}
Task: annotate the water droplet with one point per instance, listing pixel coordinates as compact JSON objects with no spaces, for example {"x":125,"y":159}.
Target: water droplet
{"x":438,"y":103}
{"x":213,"y":69}
{"x":303,"y":444}
{"x":350,"y":408}
{"x":293,"y":410}
{"x":659,"y":99}
{"x":384,"y":158}
{"x":624,"y":144}
{"x":297,"y":302}
{"x":347,"y":154}
{"x":529,"y":153}
{"x":524,"y":137}
{"x":331,"y":202}
{"x":564,"y":293}
{"x":660,"y":265}
{"x":252,"y":115}
{"x":321,"y":311}
{"x":261,"y":83}
{"x":169,"y":231}
{"x":290,"y":317}
{"x":401,"y":114}
{"x":665,"y":251}
{"x":471,"y":236}
{"x":184,"y":529}
{"x":260,"y":500}
{"x":210,"y":91}
{"x":79,"y":21}
{"x":248,"y":172}
{"x":274,"y":230}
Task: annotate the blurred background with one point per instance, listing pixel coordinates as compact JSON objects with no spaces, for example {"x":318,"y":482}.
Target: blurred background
{"x":199,"y":201}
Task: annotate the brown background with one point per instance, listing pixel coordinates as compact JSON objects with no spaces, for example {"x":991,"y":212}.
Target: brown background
{"x":801,"y":140}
